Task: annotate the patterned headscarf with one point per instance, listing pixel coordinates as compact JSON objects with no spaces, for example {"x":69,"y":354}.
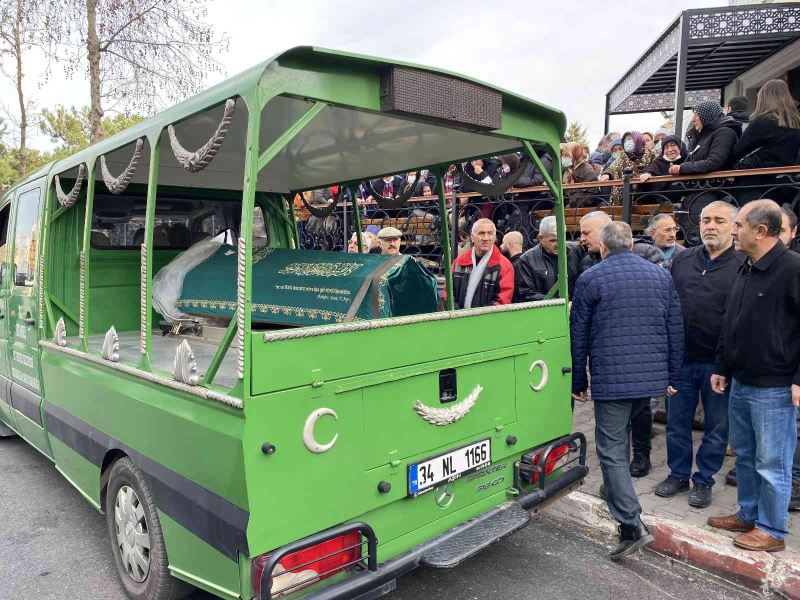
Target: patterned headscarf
{"x":709,"y":112}
{"x":638,"y":144}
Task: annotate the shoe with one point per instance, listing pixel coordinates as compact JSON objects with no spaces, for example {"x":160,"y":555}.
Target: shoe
{"x":640,"y":465}
{"x":794,"y":502}
{"x":730,"y":523}
{"x":603,"y":491}
{"x":730,"y":478}
{"x":631,"y":539}
{"x":758,"y":539}
{"x":700,"y":496}
{"x":670,"y":487}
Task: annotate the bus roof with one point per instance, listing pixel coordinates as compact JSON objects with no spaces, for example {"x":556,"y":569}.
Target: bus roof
{"x":249,"y":79}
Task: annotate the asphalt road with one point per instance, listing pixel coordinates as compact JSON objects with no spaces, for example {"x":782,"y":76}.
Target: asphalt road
{"x":53,"y":545}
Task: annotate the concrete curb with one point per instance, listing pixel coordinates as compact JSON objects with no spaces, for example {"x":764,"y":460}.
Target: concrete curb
{"x":697,"y":546}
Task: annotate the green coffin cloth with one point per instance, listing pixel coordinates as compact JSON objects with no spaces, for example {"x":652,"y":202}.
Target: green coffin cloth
{"x":307,"y":287}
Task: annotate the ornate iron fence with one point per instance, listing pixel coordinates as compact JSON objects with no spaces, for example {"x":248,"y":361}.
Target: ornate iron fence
{"x":523,"y":209}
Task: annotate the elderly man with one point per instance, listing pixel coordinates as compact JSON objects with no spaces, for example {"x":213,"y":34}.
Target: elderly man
{"x":759,"y":356}
{"x":703,"y":276}
{"x":626,"y":321}
{"x":482,"y":276}
{"x":788,"y":233}
{"x":591,"y":224}
{"x":642,"y":420}
{"x":663,"y":230}
{"x":511,"y":247}
{"x":389,"y":238}
{"x":537,"y":269}
{"x":352,"y":246}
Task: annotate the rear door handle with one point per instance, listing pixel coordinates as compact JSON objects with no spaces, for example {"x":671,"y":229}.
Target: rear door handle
{"x":29,"y":321}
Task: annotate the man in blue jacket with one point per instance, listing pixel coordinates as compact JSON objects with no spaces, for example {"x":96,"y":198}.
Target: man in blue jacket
{"x":626,"y":321}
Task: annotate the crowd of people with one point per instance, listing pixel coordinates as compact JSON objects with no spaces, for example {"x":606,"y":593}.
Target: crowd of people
{"x":716,"y":324}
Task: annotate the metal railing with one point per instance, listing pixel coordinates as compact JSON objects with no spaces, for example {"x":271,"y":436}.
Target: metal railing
{"x":522,"y":209}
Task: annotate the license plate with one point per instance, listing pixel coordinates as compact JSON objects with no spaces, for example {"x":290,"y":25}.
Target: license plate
{"x":423,"y":475}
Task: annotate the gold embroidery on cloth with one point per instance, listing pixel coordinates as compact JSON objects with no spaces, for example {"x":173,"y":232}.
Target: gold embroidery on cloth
{"x":321,"y":269}
{"x":276,"y":309}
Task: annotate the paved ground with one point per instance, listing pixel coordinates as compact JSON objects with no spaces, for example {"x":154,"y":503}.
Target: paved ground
{"x":53,"y":545}
{"x":724,"y":496}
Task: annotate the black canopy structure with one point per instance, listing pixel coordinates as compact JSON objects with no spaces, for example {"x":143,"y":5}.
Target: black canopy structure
{"x":700,"y":53}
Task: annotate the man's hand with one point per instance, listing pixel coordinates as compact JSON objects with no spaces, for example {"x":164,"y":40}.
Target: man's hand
{"x":671,"y":391}
{"x":674,"y":169}
{"x":720,"y":382}
{"x":581,"y":397}
{"x":796,"y":394}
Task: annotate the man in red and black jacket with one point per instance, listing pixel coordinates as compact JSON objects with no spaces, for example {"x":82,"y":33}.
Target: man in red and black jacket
{"x":482,"y":276}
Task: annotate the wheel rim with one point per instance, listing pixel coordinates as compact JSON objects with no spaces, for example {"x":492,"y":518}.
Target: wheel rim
{"x":133,"y":537}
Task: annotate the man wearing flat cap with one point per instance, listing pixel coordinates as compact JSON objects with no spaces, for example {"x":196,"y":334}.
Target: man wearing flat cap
{"x":390,"y":237}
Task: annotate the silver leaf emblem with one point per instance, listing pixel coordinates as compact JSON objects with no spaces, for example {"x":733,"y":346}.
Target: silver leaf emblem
{"x":451,"y":414}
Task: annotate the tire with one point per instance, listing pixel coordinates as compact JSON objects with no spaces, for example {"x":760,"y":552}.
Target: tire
{"x":143,"y":571}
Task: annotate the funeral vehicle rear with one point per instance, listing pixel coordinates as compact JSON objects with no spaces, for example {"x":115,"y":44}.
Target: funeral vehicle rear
{"x":262,"y":419}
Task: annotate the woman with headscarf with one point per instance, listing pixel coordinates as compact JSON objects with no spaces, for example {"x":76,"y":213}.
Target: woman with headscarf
{"x":712,"y":136}
{"x":575,"y":168}
{"x":636,"y":157}
{"x":673,"y":153}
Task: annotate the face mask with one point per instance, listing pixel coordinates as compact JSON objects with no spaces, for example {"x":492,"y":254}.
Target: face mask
{"x":412,"y":178}
{"x":616,"y":154}
{"x":566,"y":162}
{"x":658,"y":147}
{"x":629,"y":145}
{"x":673,"y":159}
{"x":506,"y":169}
{"x":387,"y":180}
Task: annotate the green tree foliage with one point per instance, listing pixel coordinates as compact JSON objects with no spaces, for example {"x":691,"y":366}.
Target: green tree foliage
{"x":68,"y":128}
{"x":576,"y":133}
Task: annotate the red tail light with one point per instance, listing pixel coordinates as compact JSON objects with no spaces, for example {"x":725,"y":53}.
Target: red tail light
{"x":553,"y":460}
{"x":304,"y":567}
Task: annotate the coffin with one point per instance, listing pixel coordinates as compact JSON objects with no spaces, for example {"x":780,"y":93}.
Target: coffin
{"x":307,"y":287}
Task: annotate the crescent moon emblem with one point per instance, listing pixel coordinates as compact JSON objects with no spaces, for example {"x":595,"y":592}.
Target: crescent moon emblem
{"x":308,"y":431}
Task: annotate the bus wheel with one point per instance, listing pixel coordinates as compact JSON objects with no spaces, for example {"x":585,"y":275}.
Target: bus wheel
{"x":136,"y":540}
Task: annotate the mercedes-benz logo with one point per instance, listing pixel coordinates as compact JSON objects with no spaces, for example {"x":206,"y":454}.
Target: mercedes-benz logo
{"x":444,"y":494}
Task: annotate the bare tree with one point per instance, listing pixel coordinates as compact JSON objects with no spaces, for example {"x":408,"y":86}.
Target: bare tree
{"x":22,"y":26}
{"x":140,"y":53}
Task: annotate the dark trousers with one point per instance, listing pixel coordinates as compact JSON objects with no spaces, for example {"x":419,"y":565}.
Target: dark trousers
{"x":641,"y":425}
{"x":612,"y":425}
{"x":695,"y":382}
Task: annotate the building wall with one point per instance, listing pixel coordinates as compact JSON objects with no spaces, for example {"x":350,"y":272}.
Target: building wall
{"x":777,"y":66}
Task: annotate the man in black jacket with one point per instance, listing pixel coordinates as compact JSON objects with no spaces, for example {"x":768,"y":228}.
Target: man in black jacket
{"x":759,"y":352}
{"x":537,"y":269}
{"x":591,"y":224}
{"x":738,"y":109}
{"x":511,"y":248}
{"x":703,"y":276}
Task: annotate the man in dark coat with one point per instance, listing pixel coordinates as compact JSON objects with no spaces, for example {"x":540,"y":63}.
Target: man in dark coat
{"x":482,"y":276}
{"x":626,"y":321}
{"x":591,"y":224}
{"x":759,"y":355}
{"x":712,"y":136}
{"x":537,"y":269}
{"x":663,"y":231}
{"x":511,"y":248}
{"x":703,"y":276}
{"x":738,"y":109}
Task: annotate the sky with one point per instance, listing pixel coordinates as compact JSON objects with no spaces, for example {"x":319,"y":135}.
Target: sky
{"x":565,"y":54}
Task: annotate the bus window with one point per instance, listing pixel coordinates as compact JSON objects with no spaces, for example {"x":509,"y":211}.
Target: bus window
{"x":4,"y":239}
{"x":26,"y":236}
